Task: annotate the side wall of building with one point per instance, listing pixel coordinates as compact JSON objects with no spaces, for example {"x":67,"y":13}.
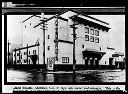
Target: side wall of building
{"x":32,"y":36}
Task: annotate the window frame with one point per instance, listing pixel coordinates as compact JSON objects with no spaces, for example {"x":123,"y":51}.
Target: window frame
{"x":82,"y":45}
{"x":86,"y":37}
{"x":34,"y":51}
{"x":48,"y":36}
{"x":91,"y":31}
{"x":18,"y":54}
{"x":97,"y":32}
{"x":48,"y":48}
{"x":96,"y":40}
{"x":65,"y":59}
{"x":91,"y":39}
{"x":87,"y":32}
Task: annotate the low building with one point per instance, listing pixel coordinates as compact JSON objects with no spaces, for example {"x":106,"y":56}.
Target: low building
{"x":49,"y":42}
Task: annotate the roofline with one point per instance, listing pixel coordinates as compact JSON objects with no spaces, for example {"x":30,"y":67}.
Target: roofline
{"x":72,"y":11}
{"x":26,"y":47}
{"x":54,"y":16}
{"x":30,"y":17}
{"x":89,"y":16}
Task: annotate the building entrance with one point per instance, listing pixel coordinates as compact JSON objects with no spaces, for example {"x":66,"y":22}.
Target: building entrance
{"x":91,"y":62}
{"x":92,"y":58}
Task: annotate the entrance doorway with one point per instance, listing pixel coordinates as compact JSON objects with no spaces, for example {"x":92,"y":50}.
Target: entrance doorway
{"x":111,"y":61}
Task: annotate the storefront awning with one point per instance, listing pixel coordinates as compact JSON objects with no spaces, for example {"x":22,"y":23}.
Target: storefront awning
{"x":93,"y":51}
{"x":117,"y":54}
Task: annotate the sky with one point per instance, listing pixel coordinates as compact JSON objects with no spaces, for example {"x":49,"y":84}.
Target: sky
{"x":116,"y":33}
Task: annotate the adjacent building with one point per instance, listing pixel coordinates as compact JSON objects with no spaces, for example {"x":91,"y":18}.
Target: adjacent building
{"x":48,"y":42}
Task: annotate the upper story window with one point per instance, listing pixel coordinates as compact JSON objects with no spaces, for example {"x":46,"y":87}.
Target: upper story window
{"x":25,"y":53}
{"x":86,"y":37}
{"x":48,"y":47}
{"x":34,"y":51}
{"x":48,"y":36}
{"x":92,"y":31}
{"x":91,"y":38}
{"x":65,"y":59}
{"x":96,"y":39}
{"x":18,"y":54}
{"x":87,"y":30}
{"x":83,"y":46}
{"x":96,"y":32}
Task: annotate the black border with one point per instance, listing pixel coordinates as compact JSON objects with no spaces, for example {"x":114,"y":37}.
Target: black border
{"x":51,"y":83}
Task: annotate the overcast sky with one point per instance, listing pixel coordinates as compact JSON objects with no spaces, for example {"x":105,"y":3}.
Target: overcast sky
{"x":117,"y":31}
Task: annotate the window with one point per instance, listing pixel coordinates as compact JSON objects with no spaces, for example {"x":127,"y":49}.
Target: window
{"x":18,"y":54}
{"x":65,"y":59}
{"x":83,"y":46}
{"x":34,"y":51}
{"x":96,"y":32}
{"x":18,"y":61}
{"x":21,"y":57}
{"x":25,"y":61}
{"x":25,"y":26}
{"x":96,"y":40}
{"x":30,"y":23}
{"x":87,"y":30}
{"x":86,"y":37}
{"x":48,"y":47}
{"x":92,"y":31}
{"x":29,"y":52}
{"x":92,"y":39}
{"x":25,"y":53}
{"x":48,"y":36}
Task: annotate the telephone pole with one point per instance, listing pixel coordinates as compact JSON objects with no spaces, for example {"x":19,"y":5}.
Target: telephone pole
{"x":8,"y":51}
{"x":74,"y":38}
{"x":44,"y":28}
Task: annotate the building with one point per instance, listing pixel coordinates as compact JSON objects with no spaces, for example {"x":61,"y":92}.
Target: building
{"x":49,"y":42}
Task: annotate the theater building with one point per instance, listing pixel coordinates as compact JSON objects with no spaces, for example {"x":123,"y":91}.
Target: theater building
{"x":50,"y":42}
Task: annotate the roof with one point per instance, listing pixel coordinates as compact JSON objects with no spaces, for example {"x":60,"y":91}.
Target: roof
{"x":30,"y":17}
{"x":117,"y":54}
{"x":58,"y":15}
{"x":93,"y":51}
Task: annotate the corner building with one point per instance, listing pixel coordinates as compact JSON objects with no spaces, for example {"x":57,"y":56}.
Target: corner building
{"x":50,"y":42}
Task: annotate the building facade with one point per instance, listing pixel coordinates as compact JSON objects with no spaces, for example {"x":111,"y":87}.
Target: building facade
{"x":49,"y":42}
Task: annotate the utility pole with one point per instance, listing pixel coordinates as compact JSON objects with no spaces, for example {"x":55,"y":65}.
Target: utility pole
{"x":8,"y":51}
{"x":74,"y":38}
{"x":44,"y":28}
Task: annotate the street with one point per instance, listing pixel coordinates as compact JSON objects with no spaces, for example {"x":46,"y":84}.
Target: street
{"x":117,"y":75}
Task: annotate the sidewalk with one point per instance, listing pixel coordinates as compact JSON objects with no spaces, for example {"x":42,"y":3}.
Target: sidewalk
{"x":77,"y":71}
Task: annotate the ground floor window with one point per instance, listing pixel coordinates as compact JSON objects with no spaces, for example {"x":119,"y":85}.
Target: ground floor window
{"x":34,"y":51}
{"x":65,"y":59}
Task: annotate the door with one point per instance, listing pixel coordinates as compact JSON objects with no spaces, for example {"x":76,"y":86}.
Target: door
{"x":110,"y":61}
{"x":50,"y":63}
